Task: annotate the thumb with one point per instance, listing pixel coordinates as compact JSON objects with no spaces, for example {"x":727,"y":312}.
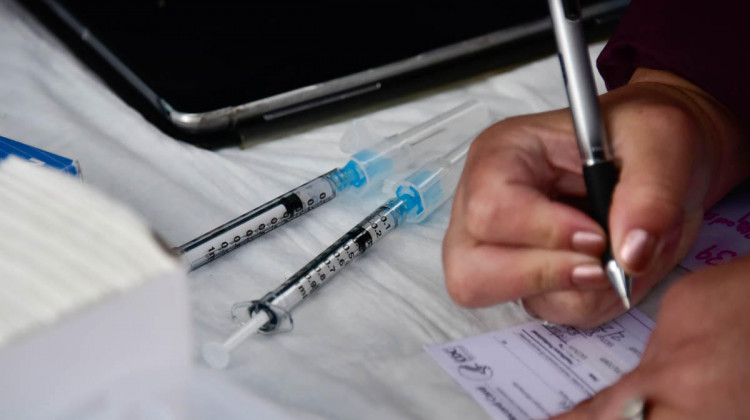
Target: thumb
{"x":658,"y":189}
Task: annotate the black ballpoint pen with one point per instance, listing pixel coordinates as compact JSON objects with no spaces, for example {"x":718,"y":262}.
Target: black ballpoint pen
{"x":599,"y":170}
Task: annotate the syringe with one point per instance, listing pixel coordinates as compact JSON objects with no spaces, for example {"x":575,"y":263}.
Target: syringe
{"x":416,"y":197}
{"x":366,"y":169}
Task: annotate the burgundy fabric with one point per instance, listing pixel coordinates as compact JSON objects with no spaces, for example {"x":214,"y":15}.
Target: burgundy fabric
{"x":705,"y":42}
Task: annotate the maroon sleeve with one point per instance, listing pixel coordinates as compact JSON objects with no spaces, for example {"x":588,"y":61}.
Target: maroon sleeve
{"x":705,"y":42}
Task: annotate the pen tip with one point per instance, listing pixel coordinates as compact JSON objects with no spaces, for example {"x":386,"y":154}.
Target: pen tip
{"x":621,"y":282}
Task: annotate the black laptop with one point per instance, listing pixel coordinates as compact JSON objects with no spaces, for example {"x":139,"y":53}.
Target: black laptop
{"x":201,"y":69}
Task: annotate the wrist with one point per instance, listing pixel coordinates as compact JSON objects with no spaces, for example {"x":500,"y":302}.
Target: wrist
{"x":726,"y":138}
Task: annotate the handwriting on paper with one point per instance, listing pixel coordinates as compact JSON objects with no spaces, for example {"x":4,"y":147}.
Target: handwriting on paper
{"x":725,"y":233}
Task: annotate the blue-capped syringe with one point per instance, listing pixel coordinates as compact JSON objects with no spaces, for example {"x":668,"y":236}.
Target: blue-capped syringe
{"x":416,"y":197}
{"x":366,"y":169}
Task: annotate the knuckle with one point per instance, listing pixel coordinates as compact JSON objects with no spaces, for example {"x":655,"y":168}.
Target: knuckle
{"x":480,"y":212}
{"x":458,"y":279}
{"x":543,"y":277}
{"x":479,"y":144}
{"x":492,"y":137}
{"x":550,"y":236}
{"x":481,"y":205}
{"x":461,"y":291}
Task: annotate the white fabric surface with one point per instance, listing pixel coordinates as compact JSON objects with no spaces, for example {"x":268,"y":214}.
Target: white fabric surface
{"x":357,"y":348}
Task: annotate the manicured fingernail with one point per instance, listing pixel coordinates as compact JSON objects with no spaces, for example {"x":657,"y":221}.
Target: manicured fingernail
{"x":633,"y":409}
{"x":588,"y":242}
{"x":588,"y":274}
{"x":638,"y":249}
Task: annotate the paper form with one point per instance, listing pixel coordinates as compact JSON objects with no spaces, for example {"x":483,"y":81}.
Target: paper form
{"x":725,"y":233}
{"x":535,"y":371}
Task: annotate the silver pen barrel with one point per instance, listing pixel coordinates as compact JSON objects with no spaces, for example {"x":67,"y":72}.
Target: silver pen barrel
{"x":599,"y":171}
{"x":579,"y":82}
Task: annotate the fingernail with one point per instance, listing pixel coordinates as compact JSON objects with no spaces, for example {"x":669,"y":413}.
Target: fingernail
{"x":588,"y":242}
{"x":588,"y":274}
{"x":633,"y":409}
{"x":638,"y":249}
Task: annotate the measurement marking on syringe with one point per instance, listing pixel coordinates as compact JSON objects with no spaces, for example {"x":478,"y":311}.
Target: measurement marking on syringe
{"x":250,"y":226}
{"x":274,"y":309}
{"x":366,"y":168}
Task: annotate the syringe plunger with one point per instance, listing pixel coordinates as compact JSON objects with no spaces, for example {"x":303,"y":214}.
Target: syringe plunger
{"x":216,"y":354}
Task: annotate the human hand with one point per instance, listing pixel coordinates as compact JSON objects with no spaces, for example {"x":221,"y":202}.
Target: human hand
{"x":517,"y":233}
{"x":696,"y":362}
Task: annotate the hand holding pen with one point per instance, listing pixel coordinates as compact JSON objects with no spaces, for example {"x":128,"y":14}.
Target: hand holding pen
{"x":521,"y":227}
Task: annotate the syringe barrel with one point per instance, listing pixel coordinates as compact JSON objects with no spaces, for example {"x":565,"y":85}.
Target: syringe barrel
{"x":330,"y":262}
{"x":395,"y":153}
{"x":366,"y":168}
{"x":432,"y":184}
{"x":259,"y":221}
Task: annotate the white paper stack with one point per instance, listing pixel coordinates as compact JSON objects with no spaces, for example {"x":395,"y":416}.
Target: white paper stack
{"x":93,"y":310}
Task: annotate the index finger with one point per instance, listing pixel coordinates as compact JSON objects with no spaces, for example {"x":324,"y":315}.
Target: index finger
{"x":514,"y":172}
